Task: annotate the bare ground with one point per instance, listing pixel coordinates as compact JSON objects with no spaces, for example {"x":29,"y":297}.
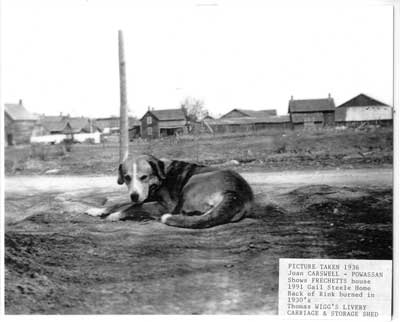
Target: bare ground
{"x":60,"y":261}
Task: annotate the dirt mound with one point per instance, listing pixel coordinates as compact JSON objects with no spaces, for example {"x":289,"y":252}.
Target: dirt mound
{"x":61,"y":261}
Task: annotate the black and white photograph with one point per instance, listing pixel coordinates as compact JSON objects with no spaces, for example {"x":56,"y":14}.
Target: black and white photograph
{"x":163,"y":157}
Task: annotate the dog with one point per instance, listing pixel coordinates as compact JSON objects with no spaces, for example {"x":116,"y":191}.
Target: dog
{"x":180,"y":194}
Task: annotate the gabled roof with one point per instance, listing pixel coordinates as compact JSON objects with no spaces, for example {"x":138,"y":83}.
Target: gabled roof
{"x":168,"y":115}
{"x":258,"y":113}
{"x":133,"y":121}
{"x":362,"y":100}
{"x":311,"y":105}
{"x":54,"y":126}
{"x":252,"y":113}
{"x":17,"y":112}
{"x":248,"y":120}
{"x":79,"y":124}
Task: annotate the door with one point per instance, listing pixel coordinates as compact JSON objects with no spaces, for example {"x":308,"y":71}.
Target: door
{"x":9,"y":139}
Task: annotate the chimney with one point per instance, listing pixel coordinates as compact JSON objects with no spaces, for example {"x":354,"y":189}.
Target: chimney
{"x":291,"y":98}
{"x":148,"y":108}
{"x":329,"y":95}
{"x":20,"y":102}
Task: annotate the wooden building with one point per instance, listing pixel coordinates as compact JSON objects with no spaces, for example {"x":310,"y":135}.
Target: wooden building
{"x":161,"y":123}
{"x":108,"y":124}
{"x":363,"y":109}
{"x":19,"y":124}
{"x":312,"y":113}
{"x":134,"y":126}
{"x":235,"y":113}
{"x":248,"y":124}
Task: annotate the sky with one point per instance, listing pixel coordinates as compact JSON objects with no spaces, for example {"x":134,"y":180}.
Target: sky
{"x":62,"y":56}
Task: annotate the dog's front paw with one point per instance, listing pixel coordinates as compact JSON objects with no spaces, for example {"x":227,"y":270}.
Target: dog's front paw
{"x":96,"y":212}
{"x":115,"y":216}
{"x":165,"y":217}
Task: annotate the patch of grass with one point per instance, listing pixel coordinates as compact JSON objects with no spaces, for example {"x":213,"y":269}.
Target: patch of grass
{"x":286,"y":150}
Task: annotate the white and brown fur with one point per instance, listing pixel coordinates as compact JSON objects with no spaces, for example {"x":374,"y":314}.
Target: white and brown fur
{"x":181,"y":194}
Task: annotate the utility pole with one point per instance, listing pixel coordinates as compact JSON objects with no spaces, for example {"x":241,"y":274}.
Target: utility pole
{"x":123,"y":129}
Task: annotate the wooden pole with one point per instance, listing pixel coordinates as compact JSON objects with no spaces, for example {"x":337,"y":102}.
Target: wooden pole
{"x":123,"y":136}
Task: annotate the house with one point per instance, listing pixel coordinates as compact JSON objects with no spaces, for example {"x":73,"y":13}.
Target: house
{"x":134,"y":128}
{"x":108,"y":124}
{"x":363,"y":109}
{"x":247,"y":124}
{"x":49,"y":125}
{"x":306,"y":113}
{"x":19,"y":124}
{"x":56,"y":129}
{"x":248,"y":113}
{"x":160,"y":123}
{"x":81,"y":124}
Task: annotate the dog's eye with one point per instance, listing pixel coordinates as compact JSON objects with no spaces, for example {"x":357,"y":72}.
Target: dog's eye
{"x":143,"y":178}
{"x":127,"y":178}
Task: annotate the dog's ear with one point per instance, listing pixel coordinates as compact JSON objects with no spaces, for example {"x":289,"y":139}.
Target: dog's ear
{"x":158,"y":168}
{"x":121,"y":173}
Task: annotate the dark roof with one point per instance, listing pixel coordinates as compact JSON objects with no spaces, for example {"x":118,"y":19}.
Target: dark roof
{"x":54,"y":126}
{"x":252,"y":113}
{"x":311,"y":105}
{"x":168,"y":115}
{"x":258,"y":113}
{"x":18,"y":112}
{"x":362,"y":100}
{"x":79,"y":124}
{"x":51,"y":118}
{"x":76,"y":124}
{"x":248,"y":120}
{"x":53,"y":123}
{"x":133,"y":121}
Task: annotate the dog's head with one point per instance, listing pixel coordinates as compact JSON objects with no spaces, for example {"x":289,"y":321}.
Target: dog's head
{"x":143,"y":175}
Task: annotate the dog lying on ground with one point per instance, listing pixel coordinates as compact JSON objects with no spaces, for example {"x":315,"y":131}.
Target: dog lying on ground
{"x":180,"y":194}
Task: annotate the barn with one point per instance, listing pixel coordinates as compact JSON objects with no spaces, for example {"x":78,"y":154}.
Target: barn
{"x":19,"y":124}
{"x":248,"y":124}
{"x":312,"y":113}
{"x":109,"y":124}
{"x":161,"y":123}
{"x":235,"y":113}
{"x":363,"y":109}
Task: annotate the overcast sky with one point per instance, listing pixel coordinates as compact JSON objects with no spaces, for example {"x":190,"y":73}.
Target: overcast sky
{"x":62,"y":56}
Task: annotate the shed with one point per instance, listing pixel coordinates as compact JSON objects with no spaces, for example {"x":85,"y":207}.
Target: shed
{"x":247,"y":124}
{"x":235,"y":113}
{"x":19,"y":124}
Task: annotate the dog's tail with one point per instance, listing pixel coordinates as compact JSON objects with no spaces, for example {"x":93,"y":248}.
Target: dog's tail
{"x":231,"y":208}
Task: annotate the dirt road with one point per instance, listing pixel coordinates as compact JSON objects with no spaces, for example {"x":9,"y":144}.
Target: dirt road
{"x":59,"y":260}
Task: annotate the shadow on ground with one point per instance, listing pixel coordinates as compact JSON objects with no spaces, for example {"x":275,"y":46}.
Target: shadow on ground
{"x":59,"y":261}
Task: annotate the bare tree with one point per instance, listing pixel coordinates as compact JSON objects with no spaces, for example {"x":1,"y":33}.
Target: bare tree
{"x":194,"y":109}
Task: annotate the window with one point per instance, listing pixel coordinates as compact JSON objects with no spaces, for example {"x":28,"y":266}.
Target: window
{"x":149,"y":120}
{"x":150,"y":131}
